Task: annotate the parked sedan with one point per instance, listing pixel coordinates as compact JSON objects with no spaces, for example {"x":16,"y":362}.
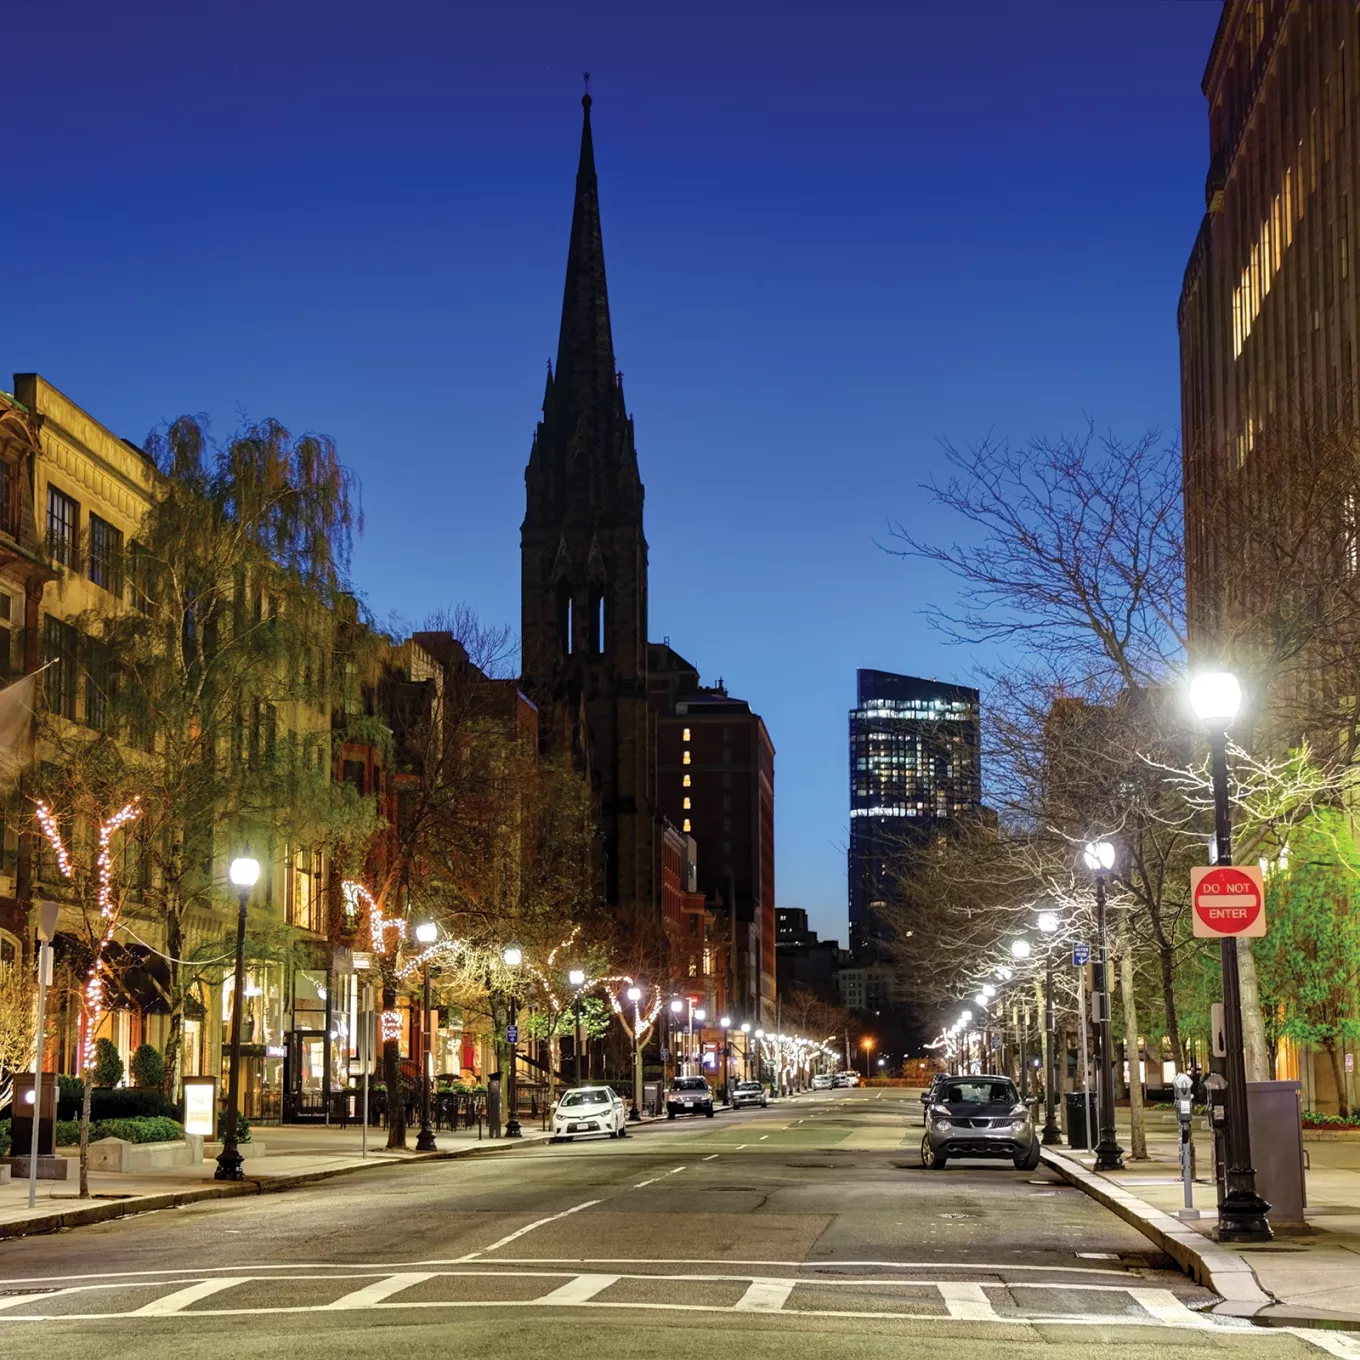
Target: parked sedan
{"x":979,"y":1117}
{"x":823,"y":1081}
{"x":586,"y":1110}
{"x":749,"y":1093}
{"x":689,"y":1095}
{"x":928,"y":1095}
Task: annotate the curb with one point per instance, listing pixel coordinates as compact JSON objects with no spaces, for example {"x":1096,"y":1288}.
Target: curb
{"x":1225,"y":1272}
{"x":173,"y":1199}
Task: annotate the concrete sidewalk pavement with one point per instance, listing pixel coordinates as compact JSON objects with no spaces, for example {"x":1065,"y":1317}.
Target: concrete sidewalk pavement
{"x":1309,"y":1278}
{"x":294,"y":1155}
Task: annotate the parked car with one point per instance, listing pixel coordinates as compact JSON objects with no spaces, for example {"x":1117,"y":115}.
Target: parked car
{"x":823,"y":1081}
{"x":979,"y":1117}
{"x":838,"y":1079}
{"x":586,"y":1110}
{"x":851,"y":1078}
{"x":749,"y":1093}
{"x":928,"y":1095}
{"x":689,"y":1095}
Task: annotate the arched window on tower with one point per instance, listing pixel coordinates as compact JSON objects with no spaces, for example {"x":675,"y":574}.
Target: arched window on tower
{"x":597,"y":622}
{"x":564,"y":619}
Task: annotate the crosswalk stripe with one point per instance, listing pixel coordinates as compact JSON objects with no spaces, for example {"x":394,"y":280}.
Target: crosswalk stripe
{"x":1165,"y":1306}
{"x":967,"y":1302}
{"x":579,"y":1290}
{"x":765,"y":1296}
{"x":182,"y":1298}
{"x":381,"y":1289}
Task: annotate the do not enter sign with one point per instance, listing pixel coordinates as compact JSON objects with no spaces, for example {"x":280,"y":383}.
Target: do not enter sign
{"x":1228,"y":901}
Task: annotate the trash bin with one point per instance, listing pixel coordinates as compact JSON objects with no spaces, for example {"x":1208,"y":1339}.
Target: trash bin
{"x":1078,"y":1136}
{"x":1276,"y":1124}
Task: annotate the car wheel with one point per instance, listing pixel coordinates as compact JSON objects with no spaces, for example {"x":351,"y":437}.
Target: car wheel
{"x":670,"y":1114}
{"x":930,"y":1159}
{"x":708,"y":1113}
{"x":1030,"y":1160}
{"x":623,"y":1130}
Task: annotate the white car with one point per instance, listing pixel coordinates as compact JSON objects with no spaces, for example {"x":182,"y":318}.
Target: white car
{"x":822,"y":1081}
{"x":586,"y":1110}
{"x":749,"y":1093}
{"x":851,"y":1078}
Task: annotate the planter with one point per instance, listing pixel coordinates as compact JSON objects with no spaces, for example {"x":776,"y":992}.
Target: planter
{"x":119,"y":1155}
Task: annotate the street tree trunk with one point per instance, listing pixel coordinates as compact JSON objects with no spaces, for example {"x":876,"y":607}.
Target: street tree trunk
{"x":396,"y":1094}
{"x":1138,"y":1136}
{"x":84,"y":1132}
{"x":1339,"y":1077}
{"x":1253,"y":1022}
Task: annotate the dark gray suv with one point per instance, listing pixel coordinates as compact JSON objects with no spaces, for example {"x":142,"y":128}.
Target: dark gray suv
{"x":979,"y":1117}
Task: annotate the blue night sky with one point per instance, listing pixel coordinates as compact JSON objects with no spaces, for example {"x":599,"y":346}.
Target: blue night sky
{"x":835,"y":236}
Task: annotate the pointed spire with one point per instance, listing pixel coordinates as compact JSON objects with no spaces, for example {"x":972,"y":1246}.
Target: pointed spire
{"x":585,"y":346}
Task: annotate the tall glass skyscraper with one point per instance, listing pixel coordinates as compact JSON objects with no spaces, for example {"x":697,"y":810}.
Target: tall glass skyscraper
{"x":915,"y":769}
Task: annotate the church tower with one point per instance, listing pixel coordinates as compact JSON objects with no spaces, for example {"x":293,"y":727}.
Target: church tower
{"x":584,"y":568}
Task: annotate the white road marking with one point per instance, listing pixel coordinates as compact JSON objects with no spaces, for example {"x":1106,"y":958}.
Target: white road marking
{"x":640,"y":1184}
{"x":528,"y":1228}
{"x":739,"y":1147}
{"x":967,"y":1302}
{"x":711,"y":1156}
{"x":579,"y":1290}
{"x":1166,"y":1307}
{"x":1340,"y":1344}
{"x":380,"y":1290}
{"x":182,"y":1298}
{"x":762,"y":1137}
{"x":764,"y":1296}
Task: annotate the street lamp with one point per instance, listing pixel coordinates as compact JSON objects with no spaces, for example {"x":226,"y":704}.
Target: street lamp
{"x":1216,"y":698}
{"x":635,"y":996}
{"x":244,"y":873}
{"x":676,"y":1007}
{"x":746,"y":1047}
{"x":426,"y":933}
{"x":512,"y":956}
{"x":695,"y":1013}
{"x":867,"y":1045}
{"x":725,"y":1024}
{"x":1099,"y":857}
{"x":1048,"y":924}
{"x":577,"y":978}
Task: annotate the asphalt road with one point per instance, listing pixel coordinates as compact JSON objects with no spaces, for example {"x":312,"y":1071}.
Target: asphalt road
{"x":808,"y":1229}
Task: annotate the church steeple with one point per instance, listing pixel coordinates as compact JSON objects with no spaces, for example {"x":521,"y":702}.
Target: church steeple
{"x":585,"y":346}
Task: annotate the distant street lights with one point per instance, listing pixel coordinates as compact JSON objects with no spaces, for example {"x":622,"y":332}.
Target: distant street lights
{"x":1216,"y":698}
{"x":635,"y":996}
{"x":725,"y":1024}
{"x":1099,"y":858}
{"x":426,"y":933}
{"x":512,"y":956}
{"x":577,"y":978}
{"x":244,"y":873}
{"x":867,"y":1044}
{"x":746,"y":1047}
{"x":1048,"y":924}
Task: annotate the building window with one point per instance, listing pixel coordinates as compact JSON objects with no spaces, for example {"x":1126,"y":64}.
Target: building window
{"x":63,"y":527}
{"x":106,"y":555}
{"x":61,"y":645}
{"x":684,"y":783}
{"x":304,"y":900}
{"x":685,"y":827}
{"x":684,"y":759}
{"x":9,"y":950}
{"x":684,"y":736}
{"x":9,"y":498}
{"x":99,"y":684}
{"x":686,"y":804}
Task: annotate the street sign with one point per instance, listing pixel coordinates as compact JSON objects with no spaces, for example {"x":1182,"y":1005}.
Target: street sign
{"x":1081,"y":954}
{"x":665,"y":1055}
{"x":1228,"y":900}
{"x":512,"y":1034}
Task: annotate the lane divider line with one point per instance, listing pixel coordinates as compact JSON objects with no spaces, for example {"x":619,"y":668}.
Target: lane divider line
{"x":528,"y":1228}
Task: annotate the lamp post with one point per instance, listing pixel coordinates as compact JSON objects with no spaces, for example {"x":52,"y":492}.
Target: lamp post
{"x":635,"y":996}
{"x":867,"y":1044}
{"x":426,"y":933}
{"x":746,"y":1047}
{"x":577,"y":978}
{"x":1215,"y":698}
{"x":760,"y":1054}
{"x":725,"y":1024}
{"x":1048,"y":924}
{"x":513,"y":956}
{"x":696,"y":1013}
{"x":244,"y":873}
{"x":676,"y":1007}
{"x":1099,"y":857}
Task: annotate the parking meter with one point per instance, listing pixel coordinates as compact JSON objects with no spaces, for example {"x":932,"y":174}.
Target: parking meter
{"x":1183,"y":1087}
{"x":1216,"y":1093}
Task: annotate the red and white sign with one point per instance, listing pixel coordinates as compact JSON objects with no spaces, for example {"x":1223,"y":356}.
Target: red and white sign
{"x":1228,"y":901}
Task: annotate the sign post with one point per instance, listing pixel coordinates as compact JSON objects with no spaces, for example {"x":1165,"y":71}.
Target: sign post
{"x":1229,"y":900}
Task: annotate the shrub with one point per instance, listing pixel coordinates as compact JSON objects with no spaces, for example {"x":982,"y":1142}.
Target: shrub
{"x":108,"y":1066}
{"x":70,"y":1092}
{"x":146,"y":1130}
{"x":123,"y":1102}
{"x":4,"y":1138}
{"x":147,"y":1066}
{"x":1316,"y":1119}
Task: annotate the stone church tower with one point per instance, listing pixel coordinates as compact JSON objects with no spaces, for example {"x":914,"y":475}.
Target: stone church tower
{"x":584,"y":569}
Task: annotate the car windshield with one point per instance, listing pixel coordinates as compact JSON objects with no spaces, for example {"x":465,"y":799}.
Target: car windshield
{"x":689,"y":1084}
{"x":978,"y":1093}
{"x":574,"y":1098}
{"x":748,"y":1086}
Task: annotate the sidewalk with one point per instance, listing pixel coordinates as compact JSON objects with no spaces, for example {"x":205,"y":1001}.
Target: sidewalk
{"x":294,"y":1155}
{"x":1310,"y":1278}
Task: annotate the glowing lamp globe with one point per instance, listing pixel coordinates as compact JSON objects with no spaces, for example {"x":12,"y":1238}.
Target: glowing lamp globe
{"x":635,"y":994}
{"x":513,"y":956}
{"x":427,"y":932}
{"x":576,"y":977}
{"x":1020,"y":949}
{"x":699,"y":1013}
{"x":244,"y":872}
{"x":746,"y":1027}
{"x":1048,"y":922}
{"x":1099,"y":855}
{"x":1215,"y":697}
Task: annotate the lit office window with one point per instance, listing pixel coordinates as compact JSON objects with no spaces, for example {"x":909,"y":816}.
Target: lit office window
{"x":685,"y":758}
{"x":686,"y":825}
{"x":685,"y":781}
{"x":684,"y":736}
{"x":686,"y":804}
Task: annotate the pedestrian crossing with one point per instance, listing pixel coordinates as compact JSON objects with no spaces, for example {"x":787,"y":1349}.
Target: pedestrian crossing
{"x":790,"y":1296}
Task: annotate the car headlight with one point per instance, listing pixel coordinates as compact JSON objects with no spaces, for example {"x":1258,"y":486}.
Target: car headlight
{"x":943,"y":1126}
{"x":1020,"y":1125}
